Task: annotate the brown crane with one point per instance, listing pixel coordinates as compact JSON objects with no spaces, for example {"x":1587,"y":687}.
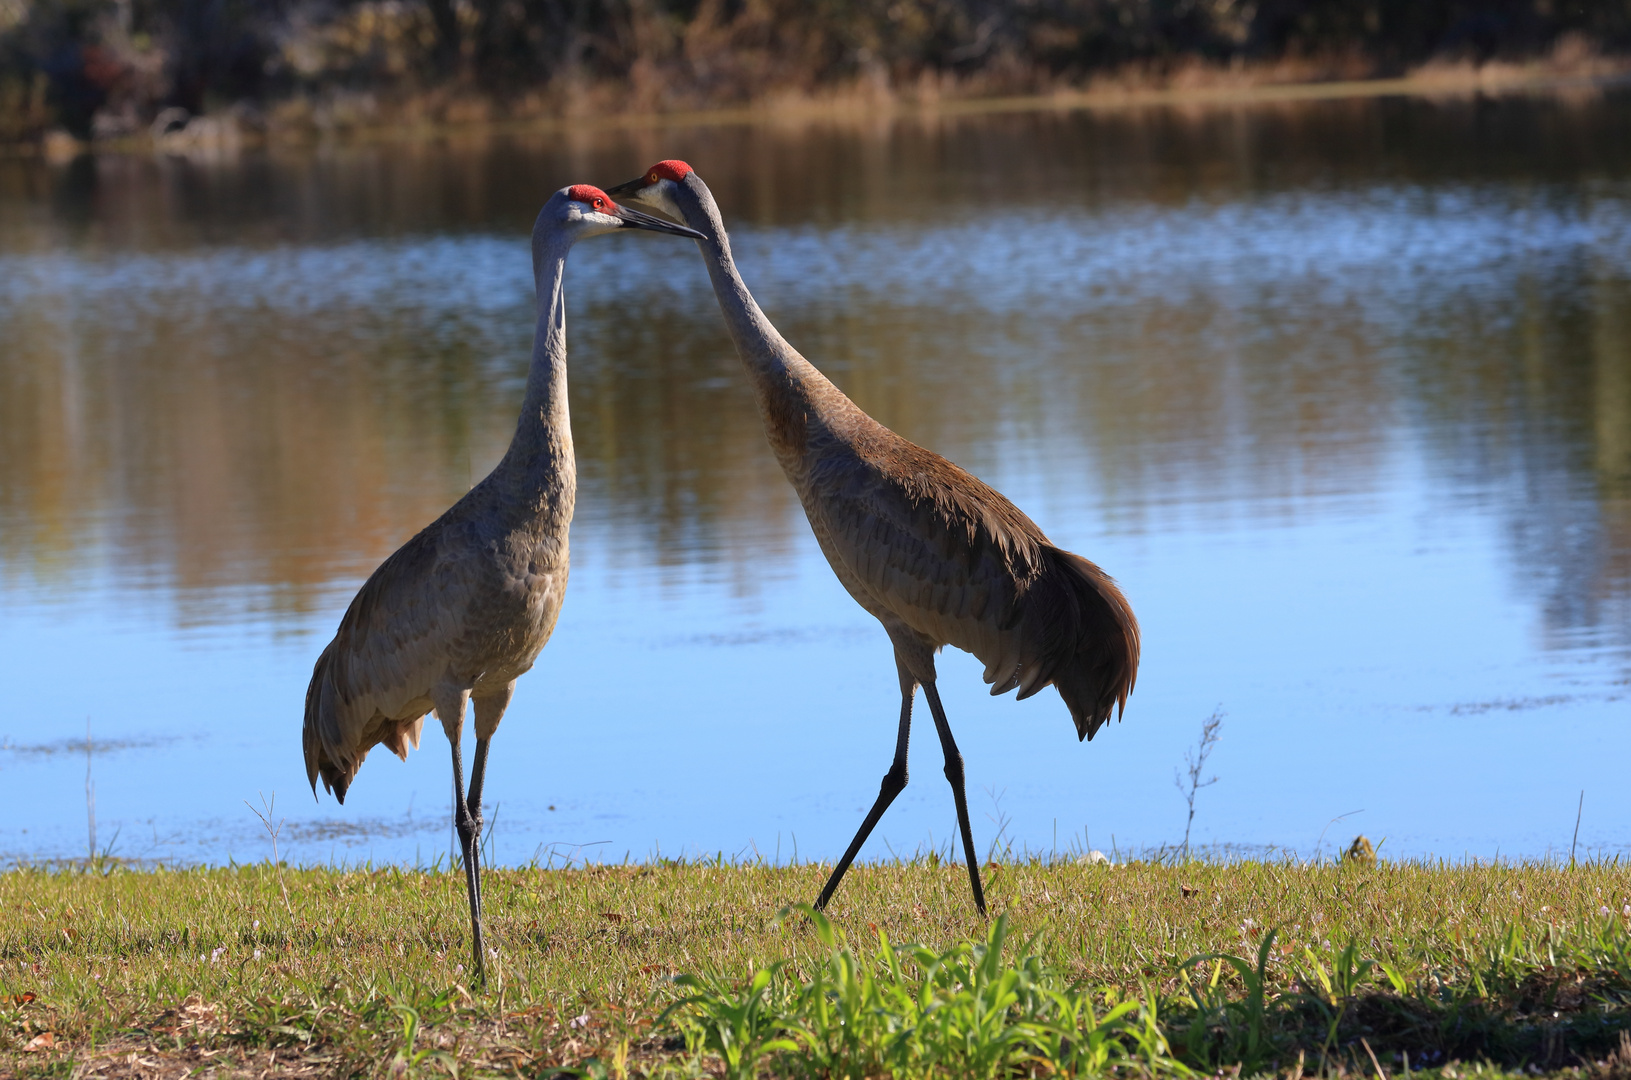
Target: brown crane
{"x":462,"y":610}
{"x":938,"y":557}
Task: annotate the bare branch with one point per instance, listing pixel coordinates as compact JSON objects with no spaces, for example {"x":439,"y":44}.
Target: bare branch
{"x":1196,"y":762}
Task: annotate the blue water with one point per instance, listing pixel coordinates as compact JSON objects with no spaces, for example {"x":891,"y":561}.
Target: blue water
{"x":1355,"y":449}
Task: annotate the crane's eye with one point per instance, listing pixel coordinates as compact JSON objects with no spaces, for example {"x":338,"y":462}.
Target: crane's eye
{"x":654,"y":178}
{"x":599,"y":203}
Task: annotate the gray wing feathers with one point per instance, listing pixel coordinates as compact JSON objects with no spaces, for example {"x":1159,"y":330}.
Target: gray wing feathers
{"x":370,"y":684}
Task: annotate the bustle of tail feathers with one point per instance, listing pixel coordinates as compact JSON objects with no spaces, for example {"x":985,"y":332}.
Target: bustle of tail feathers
{"x":398,"y":736}
{"x":1091,"y":638}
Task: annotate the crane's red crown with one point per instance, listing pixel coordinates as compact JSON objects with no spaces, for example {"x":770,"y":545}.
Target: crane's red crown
{"x":668,"y":170}
{"x":588,"y":193}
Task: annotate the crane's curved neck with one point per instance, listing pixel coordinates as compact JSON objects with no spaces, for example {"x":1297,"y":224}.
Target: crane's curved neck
{"x":791,"y":392}
{"x":756,"y":338}
{"x":540,"y":454}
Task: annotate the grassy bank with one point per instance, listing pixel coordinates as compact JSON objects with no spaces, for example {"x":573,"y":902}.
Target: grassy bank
{"x":1084,"y":969}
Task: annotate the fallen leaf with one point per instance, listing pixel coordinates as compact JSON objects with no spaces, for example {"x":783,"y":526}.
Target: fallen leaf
{"x":23,"y":998}
{"x":1189,"y":890}
{"x":611,"y":916}
{"x":43,"y":1041}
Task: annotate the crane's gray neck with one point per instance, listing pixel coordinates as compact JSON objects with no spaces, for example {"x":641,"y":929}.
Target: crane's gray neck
{"x":762,"y":348}
{"x":787,"y":385}
{"x":540,"y":454}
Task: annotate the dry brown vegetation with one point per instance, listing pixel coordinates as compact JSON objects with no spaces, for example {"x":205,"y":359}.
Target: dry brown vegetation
{"x":110,"y":68}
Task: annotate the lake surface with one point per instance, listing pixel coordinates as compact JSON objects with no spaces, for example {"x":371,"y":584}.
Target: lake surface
{"x":1340,"y":393}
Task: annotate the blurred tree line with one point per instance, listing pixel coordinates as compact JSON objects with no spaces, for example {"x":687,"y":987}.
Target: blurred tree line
{"x":107,"y":67}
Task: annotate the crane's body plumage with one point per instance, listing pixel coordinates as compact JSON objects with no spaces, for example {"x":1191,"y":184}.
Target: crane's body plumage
{"x":937,"y":556}
{"x":929,"y":549}
{"x":465,"y":607}
{"x":462,"y":610}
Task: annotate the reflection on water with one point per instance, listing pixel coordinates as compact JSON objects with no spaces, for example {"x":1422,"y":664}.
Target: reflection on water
{"x":1341,"y":392}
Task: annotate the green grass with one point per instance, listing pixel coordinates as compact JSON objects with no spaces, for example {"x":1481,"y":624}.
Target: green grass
{"x":703,"y":969}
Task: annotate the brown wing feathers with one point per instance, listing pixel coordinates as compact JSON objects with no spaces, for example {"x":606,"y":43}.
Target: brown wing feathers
{"x":957,"y":559}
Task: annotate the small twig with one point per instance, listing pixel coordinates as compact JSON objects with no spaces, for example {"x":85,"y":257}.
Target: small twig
{"x":1379,"y":1073}
{"x":1197,"y":764}
{"x":1320,"y":843}
{"x":487,"y":841}
{"x":1001,"y":821}
{"x":273,"y":831}
{"x":90,"y":796}
{"x":1578,"y":810}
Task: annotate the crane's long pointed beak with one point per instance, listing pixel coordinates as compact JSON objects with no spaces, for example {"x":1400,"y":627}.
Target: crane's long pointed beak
{"x":636,"y":220}
{"x":630,"y":190}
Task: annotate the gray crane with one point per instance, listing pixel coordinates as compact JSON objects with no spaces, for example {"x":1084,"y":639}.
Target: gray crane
{"x":462,"y":610}
{"x":936,"y":556}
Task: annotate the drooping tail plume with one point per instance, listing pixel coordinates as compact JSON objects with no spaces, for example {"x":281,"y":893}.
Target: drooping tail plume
{"x":1094,"y":646}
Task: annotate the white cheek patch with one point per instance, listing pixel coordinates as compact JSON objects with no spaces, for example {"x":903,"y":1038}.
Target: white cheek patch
{"x":584,"y":217}
{"x":671,"y":206}
{"x":660,"y":196}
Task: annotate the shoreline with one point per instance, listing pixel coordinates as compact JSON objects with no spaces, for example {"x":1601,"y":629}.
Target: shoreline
{"x":1458,"y":82}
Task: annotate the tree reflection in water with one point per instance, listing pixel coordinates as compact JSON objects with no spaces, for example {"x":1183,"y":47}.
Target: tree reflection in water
{"x":261,"y":374}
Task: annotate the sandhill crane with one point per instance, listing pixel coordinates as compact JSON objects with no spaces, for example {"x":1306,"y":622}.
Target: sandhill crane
{"x":463,"y":609}
{"x":934,"y":554}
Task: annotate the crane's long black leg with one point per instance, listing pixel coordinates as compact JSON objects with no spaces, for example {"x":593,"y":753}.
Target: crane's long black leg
{"x":894,"y":782}
{"x":478,"y":773}
{"x":469,"y":840}
{"x":954,"y":774}
{"x":489,"y":710}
